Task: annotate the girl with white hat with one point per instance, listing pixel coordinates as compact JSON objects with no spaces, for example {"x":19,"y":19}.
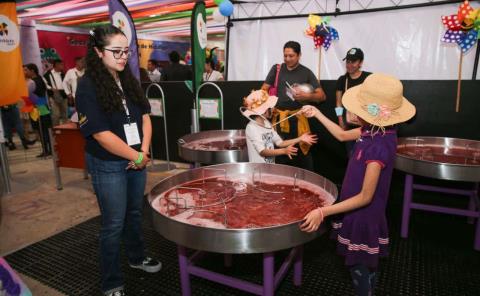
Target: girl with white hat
{"x":361,"y":231}
{"x":261,"y":137}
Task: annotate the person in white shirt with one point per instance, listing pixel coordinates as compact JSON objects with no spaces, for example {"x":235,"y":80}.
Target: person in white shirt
{"x":70,"y":80}
{"x":210,"y":74}
{"x":261,"y":136}
{"x":153,"y":72}
{"x":58,"y":98}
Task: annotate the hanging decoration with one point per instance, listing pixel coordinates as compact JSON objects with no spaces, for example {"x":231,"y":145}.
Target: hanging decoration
{"x":322,"y":34}
{"x":463,"y":28}
{"x":226,"y":8}
{"x":161,"y":18}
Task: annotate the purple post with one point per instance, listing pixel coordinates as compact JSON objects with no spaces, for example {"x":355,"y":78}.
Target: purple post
{"x":407,"y":200}
{"x":184,"y":274}
{"x":268,"y":274}
{"x":297,"y":267}
{"x":227,"y":260}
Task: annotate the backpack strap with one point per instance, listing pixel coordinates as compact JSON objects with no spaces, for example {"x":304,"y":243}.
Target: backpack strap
{"x":276,"y":76}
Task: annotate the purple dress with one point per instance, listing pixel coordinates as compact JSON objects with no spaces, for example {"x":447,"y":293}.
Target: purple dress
{"x":362,"y":234}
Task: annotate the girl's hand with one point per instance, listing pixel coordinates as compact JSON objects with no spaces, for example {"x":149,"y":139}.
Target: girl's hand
{"x":310,"y":111}
{"x":290,"y":151}
{"x":145,"y":160}
{"x":309,"y":138}
{"x":312,"y":220}
{"x":131,"y":166}
{"x":141,"y":166}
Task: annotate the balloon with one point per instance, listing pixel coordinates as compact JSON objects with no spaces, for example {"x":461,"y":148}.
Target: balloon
{"x":218,"y":2}
{"x":226,"y":8}
{"x":217,"y":16}
{"x":314,"y":21}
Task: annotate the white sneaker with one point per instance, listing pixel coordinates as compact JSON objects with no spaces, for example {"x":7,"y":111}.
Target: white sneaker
{"x":149,"y":265}
{"x":116,"y":293}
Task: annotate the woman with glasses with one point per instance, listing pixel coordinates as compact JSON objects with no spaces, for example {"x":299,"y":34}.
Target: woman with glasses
{"x":114,"y":119}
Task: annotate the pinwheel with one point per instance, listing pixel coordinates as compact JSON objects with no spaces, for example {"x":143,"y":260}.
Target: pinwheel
{"x":322,"y":34}
{"x":463,"y":29}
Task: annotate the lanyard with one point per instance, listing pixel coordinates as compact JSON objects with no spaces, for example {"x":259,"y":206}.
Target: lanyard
{"x":124,"y":102}
{"x":208,"y":75}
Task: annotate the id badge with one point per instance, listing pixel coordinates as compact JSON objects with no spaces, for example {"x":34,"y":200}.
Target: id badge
{"x":131,"y":133}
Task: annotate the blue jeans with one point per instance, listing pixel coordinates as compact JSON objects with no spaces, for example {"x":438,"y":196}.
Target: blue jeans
{"x":120,"y":195}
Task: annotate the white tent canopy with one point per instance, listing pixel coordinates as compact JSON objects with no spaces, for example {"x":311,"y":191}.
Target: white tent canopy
{"x":406,"y":42}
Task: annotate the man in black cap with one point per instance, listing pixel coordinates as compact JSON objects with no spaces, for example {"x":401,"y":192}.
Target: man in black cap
{"x":353,"y":77}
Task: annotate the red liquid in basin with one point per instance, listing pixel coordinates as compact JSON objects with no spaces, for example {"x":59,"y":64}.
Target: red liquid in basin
{"x":450,"y":155}
{"x":217,"y":144}
{"x":212,"y":202}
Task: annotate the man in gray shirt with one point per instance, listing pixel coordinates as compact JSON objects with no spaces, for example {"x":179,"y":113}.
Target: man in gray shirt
{"x":292,"y":72}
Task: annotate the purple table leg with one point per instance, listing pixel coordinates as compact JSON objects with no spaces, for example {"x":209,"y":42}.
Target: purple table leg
{"x":184,"y":274}
{"x":407,"y":200}
{"x":268,"y":274}
{"x":297,"y":267}
{"x":270,"y":279}
{"x":476,"y":206}
{"x":472,"y":202}
{"x":471,"y":207}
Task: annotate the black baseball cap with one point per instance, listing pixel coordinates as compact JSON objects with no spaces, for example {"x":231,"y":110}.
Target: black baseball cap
{"x":354,"y":54}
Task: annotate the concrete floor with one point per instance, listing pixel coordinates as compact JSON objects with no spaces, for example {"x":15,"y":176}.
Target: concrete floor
{"x":36,"y":210}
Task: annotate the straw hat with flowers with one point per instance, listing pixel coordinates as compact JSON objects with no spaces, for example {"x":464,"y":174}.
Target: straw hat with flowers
{"x":379,"y":101}
{"x":257,"y":103}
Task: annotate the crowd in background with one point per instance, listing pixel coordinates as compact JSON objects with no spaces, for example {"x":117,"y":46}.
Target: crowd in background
{"x":51,"y":99}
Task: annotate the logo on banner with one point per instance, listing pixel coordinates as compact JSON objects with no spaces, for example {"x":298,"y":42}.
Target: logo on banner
{"x":75,"y":42}
{"x":201,"y":31}
{"x":120,"y":20}
{"x":9,"y":35}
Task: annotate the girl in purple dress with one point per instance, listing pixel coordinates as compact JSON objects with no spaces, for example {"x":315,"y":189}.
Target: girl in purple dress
{"x":361,"y":231}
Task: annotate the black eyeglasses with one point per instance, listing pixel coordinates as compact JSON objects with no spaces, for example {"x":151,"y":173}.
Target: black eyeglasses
{"x":117,"y":53}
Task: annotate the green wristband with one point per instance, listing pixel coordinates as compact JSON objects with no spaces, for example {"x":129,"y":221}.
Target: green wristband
{"x":139,"y":159}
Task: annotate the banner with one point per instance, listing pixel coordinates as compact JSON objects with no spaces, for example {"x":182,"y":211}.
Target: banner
{"x":30,"y":47}
{"x":199,"y":43}
{"x":121,"y":18}
{"x":158,"y":50}
{"x":12,"y":80}
{"x":61,"y":45}
{"x":408,"y":39}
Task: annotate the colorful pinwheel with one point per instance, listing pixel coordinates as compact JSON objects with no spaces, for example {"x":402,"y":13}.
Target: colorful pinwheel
{"x":463,"y":28}
{"x":320,"y":31}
